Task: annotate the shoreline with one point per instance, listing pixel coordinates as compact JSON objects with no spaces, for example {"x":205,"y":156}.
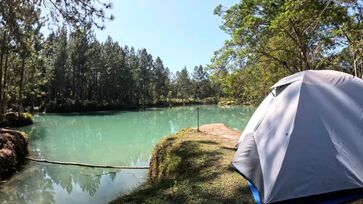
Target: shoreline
{"x":121,"y":108}
{"x":78,"y":108}
{"x":136,"y":109}
{"x":81,"y":106}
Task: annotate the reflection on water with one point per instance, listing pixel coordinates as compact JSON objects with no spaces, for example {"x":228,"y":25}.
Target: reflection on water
{"x":118,"y":138}
{"x":39,"y":183}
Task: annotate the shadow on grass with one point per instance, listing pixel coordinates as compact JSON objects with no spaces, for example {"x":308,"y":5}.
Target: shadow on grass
{"x":208,"y":142}
{"x":196,"y":160}
{"x":229,"y":148}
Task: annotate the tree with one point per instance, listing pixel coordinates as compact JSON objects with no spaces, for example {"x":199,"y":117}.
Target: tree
{"x":285,"y":37}
{"x":160,"y":81}
{"x":142,"y":77}
{"x":132,"y":64}
{"x":20,"y":23}
{"x":182,"y":84}
{"x":351,"y":32}
{"x":201,"y":84}
{"x":78,"y":61}
{"x":60,"y":64}
{"x":294,"y":34}
{"x":95,"y":63}
{"x":77,"y":13}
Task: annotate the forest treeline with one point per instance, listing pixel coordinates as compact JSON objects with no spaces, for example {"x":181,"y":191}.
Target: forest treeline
{"x":70,"y":70}
{"x":84,"y":73}
{"x":73,"y":71}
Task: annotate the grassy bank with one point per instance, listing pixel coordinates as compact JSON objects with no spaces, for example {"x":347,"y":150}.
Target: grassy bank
{"x":193,"y":167}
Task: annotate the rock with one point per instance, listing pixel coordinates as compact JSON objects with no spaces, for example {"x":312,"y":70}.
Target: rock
{"x":14,"y":119}
{"x":13,"y":150}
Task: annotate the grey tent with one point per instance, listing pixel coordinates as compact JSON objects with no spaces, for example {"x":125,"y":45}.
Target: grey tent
{"x":305,"y":140}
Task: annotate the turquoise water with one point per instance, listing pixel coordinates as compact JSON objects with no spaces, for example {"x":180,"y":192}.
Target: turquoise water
{"x":103,"y":138}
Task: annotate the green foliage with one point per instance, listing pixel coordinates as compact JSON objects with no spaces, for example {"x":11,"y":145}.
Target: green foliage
{"x":252,"y":84}
{"x":26,"y":116}
{"x":19,"y":17}
{"x":273,"y":38}
{"x":182,"y":84}
{"x":202,"y":86}
{"x":21,"y":57}
{"x":160,"y":80}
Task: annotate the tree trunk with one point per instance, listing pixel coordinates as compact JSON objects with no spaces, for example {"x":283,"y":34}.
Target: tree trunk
{"x":1,"y":76}
{"x":3,"y":96}
{"x":21,"y":82}
{"x":32,"y":87}
{"x":74,"y":82}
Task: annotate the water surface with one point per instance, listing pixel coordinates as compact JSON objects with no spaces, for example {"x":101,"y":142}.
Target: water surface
{"x":103,"y":138}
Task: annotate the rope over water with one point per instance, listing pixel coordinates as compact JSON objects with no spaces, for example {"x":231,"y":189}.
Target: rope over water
{"x":86,"y":165}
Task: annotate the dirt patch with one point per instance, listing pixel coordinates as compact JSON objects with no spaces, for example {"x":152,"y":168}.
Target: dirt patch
{"x":220,"y":130}
{"x":13,"y":150}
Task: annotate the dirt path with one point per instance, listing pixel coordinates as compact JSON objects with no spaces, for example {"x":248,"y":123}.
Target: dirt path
{"x":220,"y":130}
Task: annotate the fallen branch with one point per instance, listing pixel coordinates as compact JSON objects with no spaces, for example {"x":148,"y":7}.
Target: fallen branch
{"x":86,"y":165}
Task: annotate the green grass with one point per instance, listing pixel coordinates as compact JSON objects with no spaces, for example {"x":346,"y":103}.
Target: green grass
{"x":192,"y":167}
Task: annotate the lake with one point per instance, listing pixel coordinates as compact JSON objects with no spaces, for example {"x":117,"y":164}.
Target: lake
{"x":117,"y":138}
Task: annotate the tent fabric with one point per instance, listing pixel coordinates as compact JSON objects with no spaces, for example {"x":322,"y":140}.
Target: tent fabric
{"x":305,"y":138}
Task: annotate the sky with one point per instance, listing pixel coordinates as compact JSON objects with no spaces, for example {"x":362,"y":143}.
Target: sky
{"x":181,"y":32}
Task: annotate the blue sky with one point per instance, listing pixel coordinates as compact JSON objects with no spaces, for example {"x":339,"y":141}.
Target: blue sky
{"x":181,"y":32}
